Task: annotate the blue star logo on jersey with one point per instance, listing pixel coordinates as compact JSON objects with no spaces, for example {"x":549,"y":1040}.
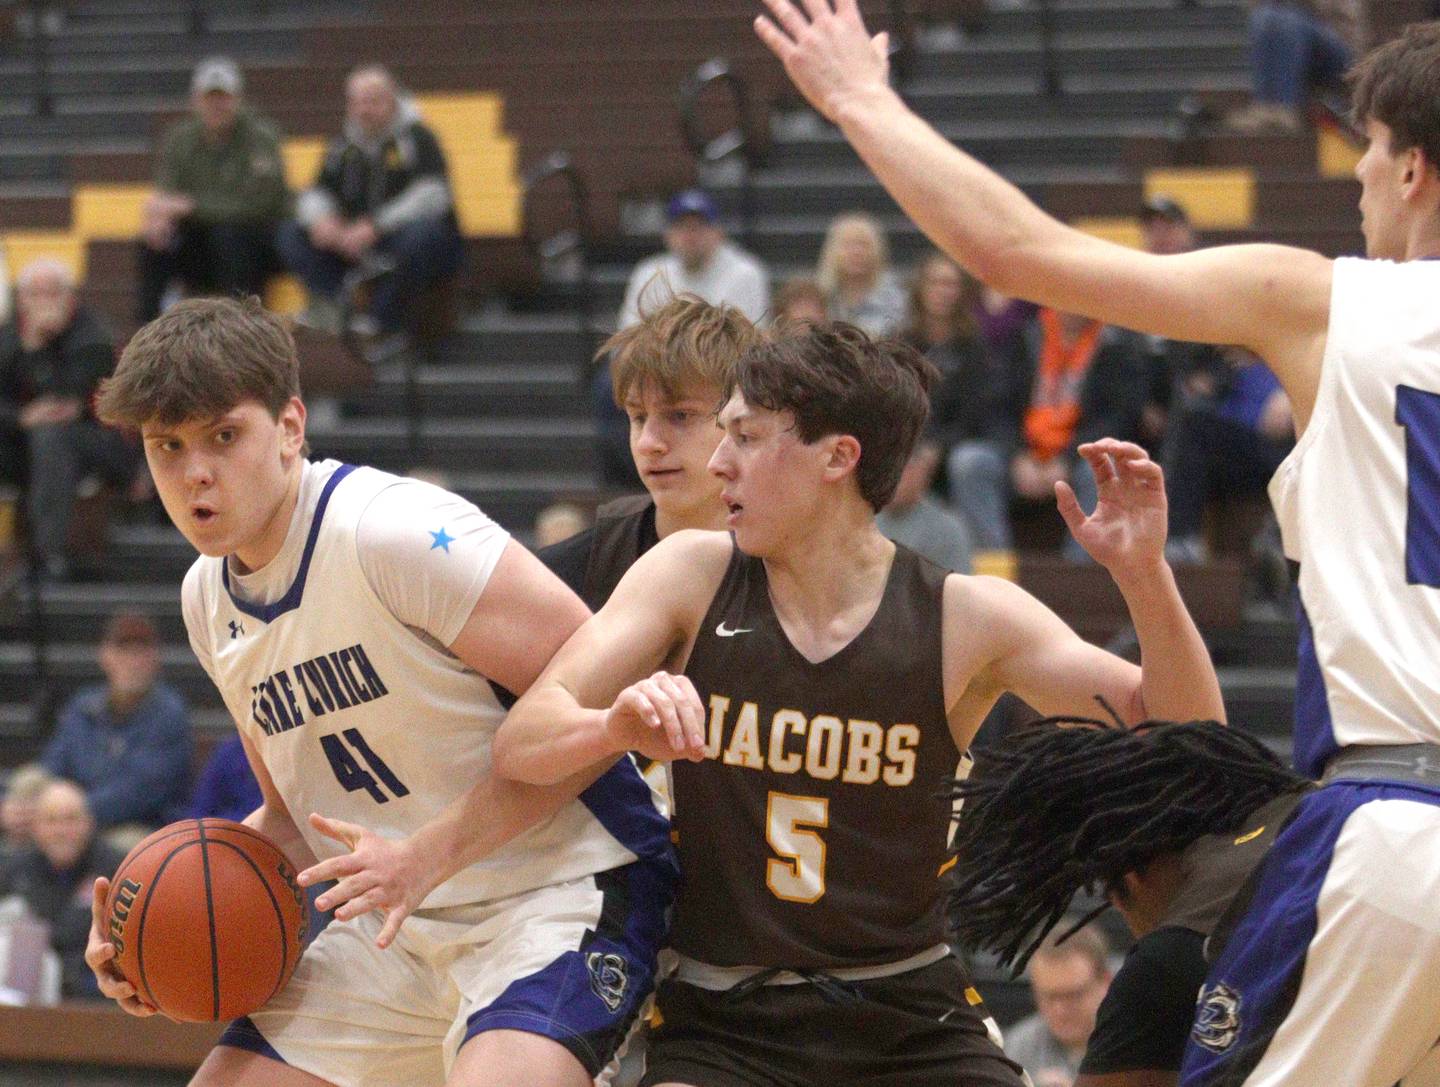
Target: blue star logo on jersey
{"x":443,"y":540}
{"x":236,"y":629}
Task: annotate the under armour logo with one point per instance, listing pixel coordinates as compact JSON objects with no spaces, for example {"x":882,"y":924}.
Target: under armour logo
{"x":608,"y":978}
{"x":723,"y":631}
{"x":236,"y":629}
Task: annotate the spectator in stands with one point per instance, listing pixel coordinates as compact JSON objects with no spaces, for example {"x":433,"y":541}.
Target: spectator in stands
{"x":800,"y":301}
{"x":916,"y":520}
{"x":53,"y":354}
{"x":53,"y":878}
{"x":227,"y":788}
{"x":1166,"y":230}
{"x":219,"y":196}
{"x":1068,"y":983}
{"x":127,"y":742}
{"x":1228,"y":436}
{"x":854,"y":272}
{"x":17,"y":808}
{"x":1077,"y":381}
{"x":698,"y":260}
{"x":381,"y":209}
{"x":1295,"y":47}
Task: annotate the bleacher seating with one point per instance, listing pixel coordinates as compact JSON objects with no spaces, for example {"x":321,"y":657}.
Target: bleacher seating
{"x":505,"y":411}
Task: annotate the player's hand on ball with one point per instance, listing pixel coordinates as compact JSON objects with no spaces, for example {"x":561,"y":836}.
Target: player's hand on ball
{"x":660,"y":717}
{"x":1127,"y":530}
{"x":377,"y":874}
{"x":100,"y":956}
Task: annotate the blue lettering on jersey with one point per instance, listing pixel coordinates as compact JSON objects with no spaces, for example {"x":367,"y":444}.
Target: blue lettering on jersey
{"x":325,"y":684}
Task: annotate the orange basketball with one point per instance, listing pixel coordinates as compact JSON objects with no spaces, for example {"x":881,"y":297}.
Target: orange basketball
{"x":206,"y":918}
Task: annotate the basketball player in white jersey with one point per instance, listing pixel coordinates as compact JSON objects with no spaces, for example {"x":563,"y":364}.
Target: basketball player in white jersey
{"x":1333,"y":974}
{"x":359,"y":627}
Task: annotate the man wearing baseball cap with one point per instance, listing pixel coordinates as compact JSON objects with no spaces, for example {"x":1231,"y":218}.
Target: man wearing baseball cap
{"x":126,"y":741}
{"x":697,"y":260}
{"x":220,"y":194}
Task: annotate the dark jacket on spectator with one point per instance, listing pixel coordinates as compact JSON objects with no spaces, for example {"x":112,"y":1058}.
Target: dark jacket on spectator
{"x":1112,"y":395}
{"x":241,"y":179}
{"x":964,"y":403}
{"x":395,"y":179}
{"x":134,"y":769}
{"x":71,"y":365}
{"x":61,"y":898}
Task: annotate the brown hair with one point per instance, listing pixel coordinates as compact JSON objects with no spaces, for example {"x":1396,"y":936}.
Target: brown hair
{"x":1398,"y":85}
{"x":961,"y":316}
{"x":798,"y":289}
{"x":685,"y":343}
{"x":198,"y":360}
{"x":834,"y":379}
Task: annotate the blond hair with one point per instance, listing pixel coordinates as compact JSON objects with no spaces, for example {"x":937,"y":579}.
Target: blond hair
{"x":684,"y":345}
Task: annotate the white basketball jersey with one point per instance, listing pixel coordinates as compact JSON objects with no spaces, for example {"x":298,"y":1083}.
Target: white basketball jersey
{"x":360,"y":717}
{"x":1359,"y":506}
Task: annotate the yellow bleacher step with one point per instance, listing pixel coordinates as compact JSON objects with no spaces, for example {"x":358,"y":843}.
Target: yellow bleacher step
{"x":1120,"y":229}
{"x":1335,"y":155}
{"x":1215,"y":197}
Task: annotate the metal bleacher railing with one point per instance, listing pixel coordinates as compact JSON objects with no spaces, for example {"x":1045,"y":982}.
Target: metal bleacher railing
{"x":744,"y":142}
{"x":563,"y":251}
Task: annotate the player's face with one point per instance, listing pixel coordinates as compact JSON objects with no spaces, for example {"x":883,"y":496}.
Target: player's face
{"x":1382,"y":176}
{"x":225,"y":481}
{"x":771,"y":479}
{"x":671,"y":440}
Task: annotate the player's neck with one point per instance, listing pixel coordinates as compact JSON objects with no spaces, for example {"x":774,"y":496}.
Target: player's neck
{"x":266,"y":544}
{"x":844,"y":563}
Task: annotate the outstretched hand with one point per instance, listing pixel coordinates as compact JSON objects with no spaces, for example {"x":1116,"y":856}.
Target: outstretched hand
{"x":1127,"y":530}
{"x":377,"y":874}
{"x":827,"y":52}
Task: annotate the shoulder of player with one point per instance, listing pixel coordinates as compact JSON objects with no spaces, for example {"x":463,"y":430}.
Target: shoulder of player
{"x":689,"y":564}
{"x":977,"y":598}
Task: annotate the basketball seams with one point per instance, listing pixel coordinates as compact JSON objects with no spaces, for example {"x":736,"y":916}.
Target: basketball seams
{"x":140,"y":927}
{"x":279,"y":915}
{"x":210,"y":913}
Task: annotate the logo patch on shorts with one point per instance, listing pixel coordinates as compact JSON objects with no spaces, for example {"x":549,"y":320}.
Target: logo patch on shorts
{"x":608,"y":978}
{"x":1217,"y":1017}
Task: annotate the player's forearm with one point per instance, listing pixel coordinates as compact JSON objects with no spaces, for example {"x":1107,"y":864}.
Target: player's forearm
{"x":548,"y":736}
{"x":488,"y":816}
{"x":985,"y":222}
{"x":1177,"y":677}
{"x":276,"y":824}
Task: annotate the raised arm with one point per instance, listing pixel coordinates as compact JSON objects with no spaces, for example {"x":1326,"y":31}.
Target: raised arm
{"x":1024,"y":647}
{"x":613,"y":687}
{"x":1272,"y":299}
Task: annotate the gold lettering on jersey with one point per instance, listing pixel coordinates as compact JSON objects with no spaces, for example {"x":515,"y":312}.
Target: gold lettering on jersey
{"x":862,"y":761}
{"x":781,"y":726}
{"x":822,"y":747}
{"x":744,"y":749}
{"x":900,"y":745}
{"x":715,"y":733}
{"x":327,"y":683}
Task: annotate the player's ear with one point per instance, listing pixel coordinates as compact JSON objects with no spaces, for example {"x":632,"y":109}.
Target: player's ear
{"x":292,"y":428}
{"x":843,"y":456}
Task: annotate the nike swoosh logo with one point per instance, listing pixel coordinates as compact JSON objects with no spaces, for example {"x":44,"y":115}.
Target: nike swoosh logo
{"x":724,"y":632}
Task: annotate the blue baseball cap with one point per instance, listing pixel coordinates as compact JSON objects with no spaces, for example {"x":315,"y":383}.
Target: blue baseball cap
{"x":692,"y":202}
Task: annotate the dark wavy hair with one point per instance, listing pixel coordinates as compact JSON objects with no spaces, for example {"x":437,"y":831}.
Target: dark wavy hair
{"x":1072,"y":804}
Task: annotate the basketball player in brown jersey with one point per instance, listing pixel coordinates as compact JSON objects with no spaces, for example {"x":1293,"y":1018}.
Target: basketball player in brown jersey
{"x":816,"y":686}
{"x":668,"y":374}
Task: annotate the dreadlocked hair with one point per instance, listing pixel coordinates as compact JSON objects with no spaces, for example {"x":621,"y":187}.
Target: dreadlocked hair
{"x":1073,"y":803}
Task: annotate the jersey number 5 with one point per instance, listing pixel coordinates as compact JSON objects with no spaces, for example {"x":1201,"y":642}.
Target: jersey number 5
{"x":351,"y":775}
{"x":1419,"y":413}
{"x":800,"y":875}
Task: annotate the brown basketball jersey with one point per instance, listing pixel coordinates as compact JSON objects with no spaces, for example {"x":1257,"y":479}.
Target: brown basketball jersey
{"x":814,"y":833}
{"x":624,"y":530}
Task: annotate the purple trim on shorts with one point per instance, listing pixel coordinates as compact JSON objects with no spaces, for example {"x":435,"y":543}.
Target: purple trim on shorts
{"x":244,"y":1034}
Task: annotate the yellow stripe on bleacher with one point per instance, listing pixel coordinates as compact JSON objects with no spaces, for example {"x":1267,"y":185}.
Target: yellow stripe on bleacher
{"x":1121,"y":230}
{"x":1335,"y":155}
{"x":1215,"y":197}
